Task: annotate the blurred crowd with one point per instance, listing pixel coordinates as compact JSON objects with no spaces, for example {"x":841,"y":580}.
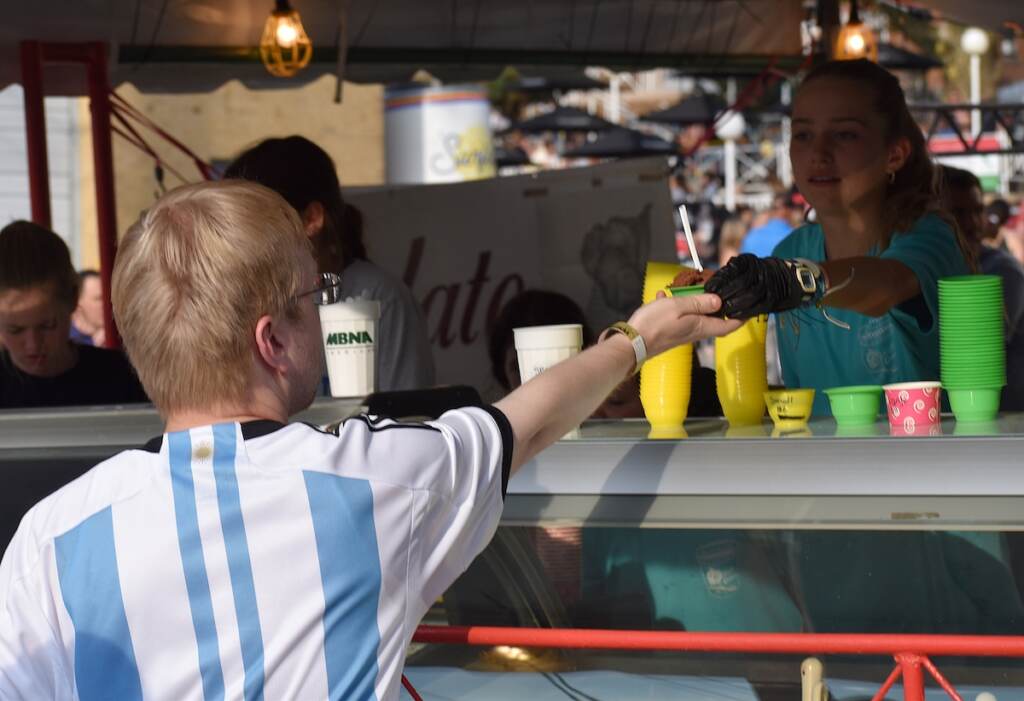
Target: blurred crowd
{"x":997,"y":223}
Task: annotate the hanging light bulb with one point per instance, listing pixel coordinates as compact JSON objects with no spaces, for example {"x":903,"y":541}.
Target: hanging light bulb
{"x":855,"y":39}
{"x":285,"y":48}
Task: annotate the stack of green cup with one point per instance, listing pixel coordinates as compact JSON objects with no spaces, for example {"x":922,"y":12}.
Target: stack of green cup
{"x":972,"y":344}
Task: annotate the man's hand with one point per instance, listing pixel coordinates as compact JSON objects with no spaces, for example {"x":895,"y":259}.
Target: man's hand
{"x":668,"y":322}
{"x":750,"y":286}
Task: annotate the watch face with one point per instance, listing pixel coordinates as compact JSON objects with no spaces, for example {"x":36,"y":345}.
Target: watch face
{"x":806,"y":278}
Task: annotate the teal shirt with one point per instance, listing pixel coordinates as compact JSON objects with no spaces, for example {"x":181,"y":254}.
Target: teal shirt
{"x":710,"y":580}
{"x":900,"y":346}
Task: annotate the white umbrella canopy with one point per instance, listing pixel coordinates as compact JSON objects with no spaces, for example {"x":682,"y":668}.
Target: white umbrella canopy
{"x":171,"y":45}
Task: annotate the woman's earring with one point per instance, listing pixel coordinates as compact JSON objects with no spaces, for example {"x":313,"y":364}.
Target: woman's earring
{"x":892,"y":177}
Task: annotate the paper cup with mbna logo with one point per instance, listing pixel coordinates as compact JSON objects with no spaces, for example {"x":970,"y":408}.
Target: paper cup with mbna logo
{"x":349,"y":333}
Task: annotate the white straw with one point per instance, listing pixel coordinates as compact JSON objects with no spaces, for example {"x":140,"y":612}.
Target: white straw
{"x":689,"y":238}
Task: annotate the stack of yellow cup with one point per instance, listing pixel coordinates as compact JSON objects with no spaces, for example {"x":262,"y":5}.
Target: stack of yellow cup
{"x":665,"y":378}
{"x":741,"y":372}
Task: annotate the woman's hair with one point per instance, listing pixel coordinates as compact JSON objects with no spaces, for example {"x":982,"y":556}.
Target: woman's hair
{"x":31,"y":256}
{"x":915,"y":190}
{"x":191,"y":280}
{"x":529,"y":308}
{"x":302,"y":173}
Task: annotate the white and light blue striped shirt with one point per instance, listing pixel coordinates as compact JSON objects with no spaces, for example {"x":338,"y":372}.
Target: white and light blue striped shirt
{"x":248,"y":561}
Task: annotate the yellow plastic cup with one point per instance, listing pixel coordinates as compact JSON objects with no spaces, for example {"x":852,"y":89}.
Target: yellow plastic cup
{"x":657,"y":277}
{"x":741,"y":372}
{"x":673,"y":433}
{"x":665,"y":387}
{"x":665,"y":379}
{"x":789,"y":408}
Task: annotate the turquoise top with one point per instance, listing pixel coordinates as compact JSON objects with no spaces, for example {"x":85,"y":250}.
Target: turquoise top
{"x":900,"y":346}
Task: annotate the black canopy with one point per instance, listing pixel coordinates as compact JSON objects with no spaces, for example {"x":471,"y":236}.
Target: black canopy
{"x":896,"y":59}
{"x":563,"y":119}
{"x":510,"y":156}
{"x":699,"y":108}
{"x":623,"y":143}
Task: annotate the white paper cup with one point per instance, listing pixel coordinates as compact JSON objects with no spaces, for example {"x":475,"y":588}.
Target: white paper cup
{"x":349,"y":334}
{"x":540,"y":347}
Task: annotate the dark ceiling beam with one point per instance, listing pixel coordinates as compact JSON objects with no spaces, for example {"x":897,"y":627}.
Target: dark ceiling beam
{"x":704,"y":64}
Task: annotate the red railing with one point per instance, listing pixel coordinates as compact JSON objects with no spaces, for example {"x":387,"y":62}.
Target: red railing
{"x":911,"y":653}
{"x":93,"y":55}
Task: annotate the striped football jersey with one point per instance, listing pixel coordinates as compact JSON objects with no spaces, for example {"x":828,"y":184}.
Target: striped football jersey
{"x":249,"y":561}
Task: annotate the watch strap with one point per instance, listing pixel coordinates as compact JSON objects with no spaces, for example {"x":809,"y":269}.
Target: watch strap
{"x":635,"y":339}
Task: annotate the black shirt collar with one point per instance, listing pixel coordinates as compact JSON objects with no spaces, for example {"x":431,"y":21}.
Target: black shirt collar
{"x":250,"y":429}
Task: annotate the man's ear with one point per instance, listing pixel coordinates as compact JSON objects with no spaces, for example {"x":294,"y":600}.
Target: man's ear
{"x":899,"y":152}
{"x":313,"y":218}
{"x":270,"y":345}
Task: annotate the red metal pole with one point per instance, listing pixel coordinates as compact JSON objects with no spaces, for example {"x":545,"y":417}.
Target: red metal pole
{"x":783,"y":643}
{"x":889,"y":681}
{"x":943,"y":682}
{"x":35,"y":131}
{"x":411,"y":689}
{"x":103,"y":164}
{"x":913,"y":675}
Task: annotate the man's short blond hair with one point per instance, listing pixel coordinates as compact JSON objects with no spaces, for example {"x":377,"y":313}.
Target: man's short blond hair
{"x":190,"y":282}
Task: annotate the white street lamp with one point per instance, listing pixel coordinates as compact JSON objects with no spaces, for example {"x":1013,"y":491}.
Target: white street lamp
{"x":974,"y":42}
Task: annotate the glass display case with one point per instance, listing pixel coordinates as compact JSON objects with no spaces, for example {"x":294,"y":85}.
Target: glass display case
{"x":734,"y":529}
{"x":720,"y":529}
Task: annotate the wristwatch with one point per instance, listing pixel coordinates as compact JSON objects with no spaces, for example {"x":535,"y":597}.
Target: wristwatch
{"x":637,"y":341}
{"x":810,"y":277}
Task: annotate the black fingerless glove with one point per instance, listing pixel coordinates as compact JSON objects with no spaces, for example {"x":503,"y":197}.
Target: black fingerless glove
{"x":750,"y":286}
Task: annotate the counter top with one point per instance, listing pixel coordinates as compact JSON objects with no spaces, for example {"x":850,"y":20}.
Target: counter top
{"x":618,"y":457}
{"x":614,"y":472}
{"x":965,"y":476}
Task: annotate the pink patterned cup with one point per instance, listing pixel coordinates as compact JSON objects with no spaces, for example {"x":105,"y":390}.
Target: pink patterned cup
{"x":917,"y":430}
{"x":912,"y":405}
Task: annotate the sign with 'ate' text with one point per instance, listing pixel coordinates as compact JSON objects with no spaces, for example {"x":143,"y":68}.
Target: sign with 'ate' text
{"x":466,"y":249}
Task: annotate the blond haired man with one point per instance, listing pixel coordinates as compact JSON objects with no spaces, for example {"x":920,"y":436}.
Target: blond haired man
{"x":238,"y":556}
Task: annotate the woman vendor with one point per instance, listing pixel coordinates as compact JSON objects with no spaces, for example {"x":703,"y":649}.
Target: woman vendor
{"x":859,"y":287}
{"x":857,"y":293}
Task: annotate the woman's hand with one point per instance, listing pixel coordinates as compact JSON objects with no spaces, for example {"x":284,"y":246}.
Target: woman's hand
{"x":750,"y":286}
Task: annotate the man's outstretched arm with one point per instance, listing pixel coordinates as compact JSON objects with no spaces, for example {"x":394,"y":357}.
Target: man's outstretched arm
{"x":548,"y":406}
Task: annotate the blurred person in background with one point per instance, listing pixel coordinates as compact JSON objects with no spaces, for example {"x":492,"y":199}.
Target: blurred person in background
{"x":528,"y":308}
{"x":1000,"y":228}
{"x":962,"y":198}
{"x":304,"y":174}
{"x":39,"y":364}
{"x":997,"y":213}
{"x":87,"y":319}
{"x":762,"y":240}
{"x":730,"y":240}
